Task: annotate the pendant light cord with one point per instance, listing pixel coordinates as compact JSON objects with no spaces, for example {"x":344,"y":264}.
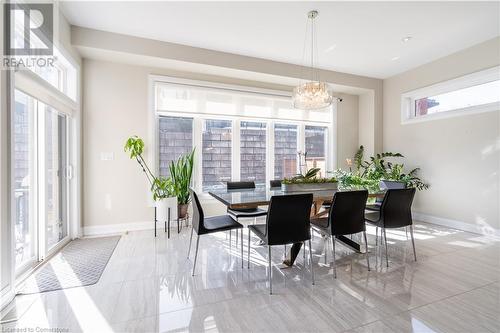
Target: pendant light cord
{"x":312,"y":48}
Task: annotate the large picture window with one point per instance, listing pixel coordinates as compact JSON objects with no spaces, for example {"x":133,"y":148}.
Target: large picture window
{"x":285,"y":151}
{"x":216,"y":155}
{"x":253,"y":151}
{"x":238,"y":135}
{"x":175,"y":139}
{"x":316,"y":144}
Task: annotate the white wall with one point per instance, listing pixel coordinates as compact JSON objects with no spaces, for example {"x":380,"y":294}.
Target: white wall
{"x":366,"y":123}
{"x":459,"y":157}
{"x":347,"y":129}
{"x":115,"y":106}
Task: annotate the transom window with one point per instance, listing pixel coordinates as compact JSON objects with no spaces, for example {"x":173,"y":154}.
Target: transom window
{"x":63,"y":75}
{"x":238,"y":134}
{"x":473,"y":93}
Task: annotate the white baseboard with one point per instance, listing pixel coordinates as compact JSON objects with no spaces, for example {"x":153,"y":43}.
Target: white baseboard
{"x":114,"y":229}
{"x":460,"y":225}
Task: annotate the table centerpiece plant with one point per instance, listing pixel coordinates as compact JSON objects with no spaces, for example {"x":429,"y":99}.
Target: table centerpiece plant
{"x":308,"y":182}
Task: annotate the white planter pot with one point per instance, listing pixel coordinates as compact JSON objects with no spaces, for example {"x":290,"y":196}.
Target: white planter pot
{"x":391,"y":185}
{"x":309,"y":187}
{"x":162,"y":209}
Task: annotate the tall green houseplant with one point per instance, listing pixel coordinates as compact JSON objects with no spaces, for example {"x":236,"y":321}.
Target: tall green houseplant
{"x":161,"y":187}
{"x":181,"y":172}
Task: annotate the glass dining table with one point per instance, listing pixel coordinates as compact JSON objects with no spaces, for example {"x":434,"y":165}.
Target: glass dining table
{"x":261,"y":196}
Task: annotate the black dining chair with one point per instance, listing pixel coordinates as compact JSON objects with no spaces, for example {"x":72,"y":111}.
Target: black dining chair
{"x":395,"y":212}
{"x":346,"y":217}
{"x":275,"y":183}
{"x":287,"y":222}
{"x":237,"y":213}
{"x":209,"y":225}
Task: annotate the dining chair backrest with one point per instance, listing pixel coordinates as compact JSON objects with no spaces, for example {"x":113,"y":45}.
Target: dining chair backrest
{"x":198,"y":216}
{"x":347,"y":212}
{"x":240,"y":185}
{"x":396,"y":208}
{"x":275,"y":183}
{"x":288,"y":219}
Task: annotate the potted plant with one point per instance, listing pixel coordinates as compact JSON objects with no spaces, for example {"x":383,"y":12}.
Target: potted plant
{"x":395,"y":174}
{"x":181,"y":172}
{"x":378,"y":173}
{"x":161,"y":187}
{"x":308,"y":182}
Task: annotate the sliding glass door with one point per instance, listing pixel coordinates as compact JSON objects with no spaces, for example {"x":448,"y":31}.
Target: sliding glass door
{"x":24,"y":180}
{"x":39,"y":179}
{"x":56,"y":226}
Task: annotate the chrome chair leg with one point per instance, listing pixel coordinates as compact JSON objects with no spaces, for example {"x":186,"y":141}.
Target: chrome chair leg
{"x":413,"y":242}
{"x":386,"y":252}
{"x":406,"y":232}
{"x":270,"y":271}
{"x":327,"y":240}
{"x":333,"y":254}
{"x":366,"y":246}
{"x":284,"y":253}
{"x":236,"y":232}
{"x":241,"y":247}
{"x":304,"y":252}
{"x":230,"y":241}
{"x":196,"y":253}
{"x":190,"y":241}
{"x":248,"y":254}
{"x":376,"y":236}
{"x":311,"y":261}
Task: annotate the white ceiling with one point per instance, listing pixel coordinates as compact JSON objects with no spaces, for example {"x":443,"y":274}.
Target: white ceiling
{"x":363,"y":38}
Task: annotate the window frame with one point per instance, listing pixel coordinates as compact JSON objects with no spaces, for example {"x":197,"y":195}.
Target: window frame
{"x":408,"y":99}
{"x":199,"y":118}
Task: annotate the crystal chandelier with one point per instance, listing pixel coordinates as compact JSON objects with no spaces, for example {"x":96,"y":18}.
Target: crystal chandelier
{"x":313,"y":94}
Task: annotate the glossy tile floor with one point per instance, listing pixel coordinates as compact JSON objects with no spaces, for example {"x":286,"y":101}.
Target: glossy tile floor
{"x":147,"y":287}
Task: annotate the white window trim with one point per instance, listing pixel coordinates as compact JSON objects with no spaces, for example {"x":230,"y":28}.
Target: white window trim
{"x":33,"y":85}
{"x":235,"y":119}
{"x":408,"y":99}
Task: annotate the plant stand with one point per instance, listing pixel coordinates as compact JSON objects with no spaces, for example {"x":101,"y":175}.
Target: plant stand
{"x":180,"y":220}
{"x":167,"y":223}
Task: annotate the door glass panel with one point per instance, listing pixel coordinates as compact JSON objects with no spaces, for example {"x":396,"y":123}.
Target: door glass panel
{"x":56,"y":182}
{"x":23,"y":178}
